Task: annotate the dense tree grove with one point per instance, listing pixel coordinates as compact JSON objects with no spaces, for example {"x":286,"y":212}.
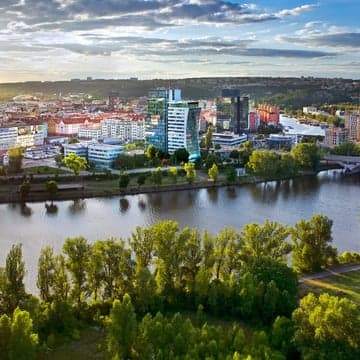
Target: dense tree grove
{"x":135,"y":291}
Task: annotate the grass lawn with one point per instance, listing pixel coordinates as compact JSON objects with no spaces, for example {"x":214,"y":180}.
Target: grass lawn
{"x":45,"y":170}
{"x":347,"y":284}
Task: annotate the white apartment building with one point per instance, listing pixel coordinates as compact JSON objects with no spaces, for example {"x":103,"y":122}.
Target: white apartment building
{"x":126,"y":129}
{"x":24,"y":136}
{"x":8,"y":137}
{"x":90,"y":133}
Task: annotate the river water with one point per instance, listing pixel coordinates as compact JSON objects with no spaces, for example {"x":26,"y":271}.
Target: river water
{"x":37,"y":225}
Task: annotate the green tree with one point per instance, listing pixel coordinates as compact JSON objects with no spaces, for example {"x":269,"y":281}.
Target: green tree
{"x":151,"y":152}
{"x":124,"y":180}
{"x":23,"y":342}
{"x":264,"y":163}
{"x":173,"y":171}
{"x":141,"y":179}
{"x":231,"y":175}
{"x":312,"y":250}
{"x":24,"y":189}
{"x":347,"y":148}
{"x":190,"y":172}
{"x":245,"y":152}
{"x":180,"y":155}
{"x":52,"y":187}
{"x":307,"y":155}
{"x":16,"y":156}
{"x":75,"y":163}
{"x":46,"y":272}
{"x":327,"y":327}
{"x":111,"y":268}
{"x":213,"y":172}
{"x":13,"y":277}
{"x":61,"y":286}
{"x":288,"y":165}
{"x":208,"y":138}
{"x":267,"y":240}
{"x":121,"y":329}
{"x":156,"y":176}
{"x":5,"y":336}
{"x":77,"y":251}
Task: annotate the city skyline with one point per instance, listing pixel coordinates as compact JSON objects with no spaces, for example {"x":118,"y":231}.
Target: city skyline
{"x":64,"y":39}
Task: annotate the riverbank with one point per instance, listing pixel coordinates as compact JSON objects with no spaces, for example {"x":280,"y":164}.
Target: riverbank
{"x":96,"y":187}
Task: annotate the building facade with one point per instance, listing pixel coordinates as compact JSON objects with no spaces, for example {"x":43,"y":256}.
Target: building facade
{"x":352,"y":123}
{"x":126,"y":129}
{"x":103,"y":155}
{"x":156,"y":124}
{"x":182,"y":127}
{"x":232,"y":111}
{"x":335,"y":136}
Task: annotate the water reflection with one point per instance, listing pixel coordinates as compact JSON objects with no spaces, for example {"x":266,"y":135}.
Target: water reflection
{"x":141,"y":203}
{"x":51,"y":209}
{"x":77,"y":206}
{"x":213,"y":194}
{"x":124,"y":205}
{"x":25,"y":210}
{"x":231,"y":192}
{"x":22,"y":208}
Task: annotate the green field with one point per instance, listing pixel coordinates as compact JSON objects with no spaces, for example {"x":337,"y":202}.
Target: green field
{"x":346,"y":284}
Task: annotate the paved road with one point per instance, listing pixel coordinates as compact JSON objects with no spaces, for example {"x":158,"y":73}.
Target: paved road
{"x":330,"y":272}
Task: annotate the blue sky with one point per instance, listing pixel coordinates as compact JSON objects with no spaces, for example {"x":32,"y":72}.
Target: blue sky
{"x":63,"y":39}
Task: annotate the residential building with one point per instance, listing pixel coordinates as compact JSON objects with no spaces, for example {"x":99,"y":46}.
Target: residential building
{"x":125,"y":128}
{"x":182,"y":127}
{"x":24,"y":136}
{"x":335,"y":136}
{"x":254,"y":121}
{"x":93,"y":132}
{"x":352,"y":123}
{"x":268,"y":114}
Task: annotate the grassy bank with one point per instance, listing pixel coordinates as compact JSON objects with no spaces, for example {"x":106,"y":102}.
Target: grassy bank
{"x":343,"y":285}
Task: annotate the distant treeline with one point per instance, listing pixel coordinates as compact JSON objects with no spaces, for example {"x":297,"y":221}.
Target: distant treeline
{"x":286,"y":92}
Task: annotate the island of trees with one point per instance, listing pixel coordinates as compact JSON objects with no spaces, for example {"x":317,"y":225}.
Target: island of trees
{"x":171,"y":293}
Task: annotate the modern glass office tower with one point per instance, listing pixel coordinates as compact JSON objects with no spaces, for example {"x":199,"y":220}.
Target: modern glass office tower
{"x":232,"y":111}
{"x":183,"y":125}
{"x":156,"y":127}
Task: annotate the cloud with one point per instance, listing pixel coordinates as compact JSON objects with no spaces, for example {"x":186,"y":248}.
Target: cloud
{"x":350,"y":40}
{"x":297,"y":10}
{"x":200,"y":47}
{"x":150,"y":14}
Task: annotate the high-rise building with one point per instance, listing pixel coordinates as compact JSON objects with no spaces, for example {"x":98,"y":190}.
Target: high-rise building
{"x":156,"y":116}
{"x":232,"y":111}
{"x":183,"y":124}
{"x":352,"y":123}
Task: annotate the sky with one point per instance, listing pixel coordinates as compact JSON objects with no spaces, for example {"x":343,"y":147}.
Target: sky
{"x":50,"y":40}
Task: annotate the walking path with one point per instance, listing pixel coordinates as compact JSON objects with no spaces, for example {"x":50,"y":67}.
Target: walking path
{"x":330,"y":272}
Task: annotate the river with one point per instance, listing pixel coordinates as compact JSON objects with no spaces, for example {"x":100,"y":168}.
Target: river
{"x":37,"y":225}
